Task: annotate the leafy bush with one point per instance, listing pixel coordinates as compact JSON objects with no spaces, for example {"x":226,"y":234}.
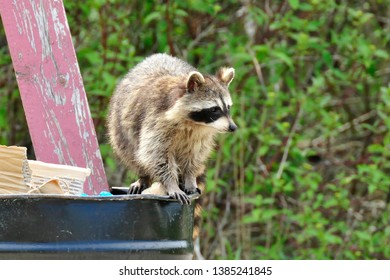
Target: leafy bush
{"x":306,"y":176}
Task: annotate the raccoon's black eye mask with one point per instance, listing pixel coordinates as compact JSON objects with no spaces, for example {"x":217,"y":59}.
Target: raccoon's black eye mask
{"x":214,"y":109}
{"x":207,"y":115}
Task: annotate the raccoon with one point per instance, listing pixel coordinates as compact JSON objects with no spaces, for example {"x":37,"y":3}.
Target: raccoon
{"x":163,"y":118}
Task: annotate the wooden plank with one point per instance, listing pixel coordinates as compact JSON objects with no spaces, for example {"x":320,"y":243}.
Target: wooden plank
{"x":51,"y":86}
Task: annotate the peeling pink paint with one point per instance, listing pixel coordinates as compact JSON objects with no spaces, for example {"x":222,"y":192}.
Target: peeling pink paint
{"x":51,"y":86}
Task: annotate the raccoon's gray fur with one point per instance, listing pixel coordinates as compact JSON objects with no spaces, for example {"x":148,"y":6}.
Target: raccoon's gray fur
{"x":163,"y":117}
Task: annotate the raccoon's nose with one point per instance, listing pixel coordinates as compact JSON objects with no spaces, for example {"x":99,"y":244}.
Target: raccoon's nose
{"x":232,"y":127}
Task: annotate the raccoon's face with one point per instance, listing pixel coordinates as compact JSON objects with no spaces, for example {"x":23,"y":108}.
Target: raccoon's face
{"x":209,"y":101}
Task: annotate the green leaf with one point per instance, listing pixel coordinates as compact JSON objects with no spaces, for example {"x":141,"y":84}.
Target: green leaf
{"x":283,"y":57}
{"x":381,"y":54}
{"x":333,"y":239}
{"x":152,"y":16}
{"x":294,"y":4}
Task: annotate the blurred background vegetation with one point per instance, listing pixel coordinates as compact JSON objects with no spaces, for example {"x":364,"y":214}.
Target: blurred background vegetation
{"x":307,"y":175}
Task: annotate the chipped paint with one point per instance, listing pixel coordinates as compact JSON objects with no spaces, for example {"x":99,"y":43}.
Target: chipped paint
{"x":78,"y":105}
{"x":58,"y":26}
{"x":63,"y":80}
{"x":42,"y":27}
{"x":23,"y":24}
{"x":20,"y":30}
{"x":51,"y":86}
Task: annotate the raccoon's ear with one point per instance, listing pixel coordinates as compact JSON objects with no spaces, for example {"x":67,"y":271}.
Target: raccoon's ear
{"x":226,"y":75}
{"x":194,"y":80}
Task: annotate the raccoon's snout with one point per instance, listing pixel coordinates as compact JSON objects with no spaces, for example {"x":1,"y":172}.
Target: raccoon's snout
{"x":232,"y":127}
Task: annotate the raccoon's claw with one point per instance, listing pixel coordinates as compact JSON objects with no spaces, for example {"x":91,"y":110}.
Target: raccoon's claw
{"x":135,"y":188}
{"x":138,"y":186}
{"x":181,"y":197}
{"x":192,"y":191}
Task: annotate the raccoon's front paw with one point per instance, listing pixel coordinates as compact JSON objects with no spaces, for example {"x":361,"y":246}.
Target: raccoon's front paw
{"x":190,"y":186}
{"x":194,"y":190}
{"x":135,"y":188}
{"x":138,"y":186}
{"x":180,"y":196}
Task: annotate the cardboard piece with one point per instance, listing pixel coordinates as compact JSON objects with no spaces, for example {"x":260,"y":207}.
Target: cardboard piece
{"x":71,"y":178}
{"x":14,"y":170}
{"x":52,"y":186}
{"x":21,"y":176}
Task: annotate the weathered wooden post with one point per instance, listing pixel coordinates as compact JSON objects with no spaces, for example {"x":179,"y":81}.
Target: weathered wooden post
{"x":51,"y":86}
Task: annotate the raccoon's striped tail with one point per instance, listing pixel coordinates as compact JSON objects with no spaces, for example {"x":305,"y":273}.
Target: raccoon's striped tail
{"x":201,"y":182}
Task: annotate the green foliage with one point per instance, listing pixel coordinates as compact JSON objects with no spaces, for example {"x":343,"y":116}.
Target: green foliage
{"x":306,"y":176}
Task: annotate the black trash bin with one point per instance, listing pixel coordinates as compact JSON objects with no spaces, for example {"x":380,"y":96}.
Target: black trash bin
{"x":95,"y":227}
